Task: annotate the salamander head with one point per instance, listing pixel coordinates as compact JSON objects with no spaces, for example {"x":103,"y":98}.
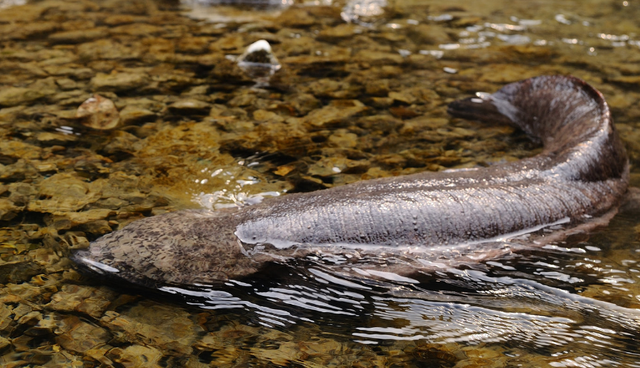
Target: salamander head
{"x":180,"y":248}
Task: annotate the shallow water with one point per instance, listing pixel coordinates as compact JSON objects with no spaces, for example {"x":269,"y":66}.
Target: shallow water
{"x":351,"y":101}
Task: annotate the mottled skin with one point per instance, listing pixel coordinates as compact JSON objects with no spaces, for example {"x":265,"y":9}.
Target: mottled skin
{"x":581,"y":174}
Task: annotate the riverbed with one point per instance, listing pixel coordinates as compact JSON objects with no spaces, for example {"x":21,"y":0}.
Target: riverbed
{"x":354,"y":91}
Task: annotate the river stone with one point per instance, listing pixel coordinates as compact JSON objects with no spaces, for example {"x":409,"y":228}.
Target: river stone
{"x":73,"y":219}
{"x":120,"y":19}
{"x":343,"y":139}
{"x":13,"y":96}
{"x":295,"y":17}
{"x":136,"y":356}
{"x":339,"y":32}
{"x":61,"y":139}
{"x":21,"y":193}
{"x":137,"y":29}
{"x":161,"y":325}
{"x":378,"y":57}
{"x":429,"y":34}
{"x":133,"y":114}
{"x":121,"y":142}
{"x":190,"y":106}
{"x":79,"y":336}
{"x":87,"y":300}
{"x":79,"y":36}
{"x":119,"y":81}
{"x":17,"y":149}
{"x":99,"y":113}
{"x":194,"y":45}
{"x":335,"y":113}
{"x":64,"y":193}
{"x":8,"y":210}
{"x":106,"y":49}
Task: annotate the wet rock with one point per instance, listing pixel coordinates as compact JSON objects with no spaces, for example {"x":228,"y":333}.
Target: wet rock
{"x":343,"y":139}
{"x":334,"y":89}
{"x":137,"y":29}
{"x":12,"y":150}
{"x":242,"y":100}
{"x":74,"y":219}
{"x":125,"y":187}
{"x":267,"y":116}
{"x":99,"y":113}
{"x":377,"y":87}
{"x":159,"y":325}
{"x":193,"y":45}
{"x":13,"y":96}
{"x":62,"y":193}
{"x":106,"y":49}
{"x":378,"y":57}
{"x":413,"y":95}
{"x":119,"y":81}
{"x":8,"y":210}
{"x":259,"y":62}
{"x":52,"y":139}
{"x":21,"y":193}
{"x":136,"y":356}
{"x":381,"y":102}
{"x":335,"y":113}
{"x":417,"y":125}
{"x":80,"y":336}
{"x":190,"y":106}
{"x":332,"y":166}
{"x":627,"y":79}
{"x":78,"y":36}
{"x":378,"y":123}
{"x":82,"y":299}
{"x":339,"y":32}
{"x":303,"y":103}
{"x":121,"y":143}
{"x":364,"y":11}
{"x":72,"y":98}
{"x":66,"y":84}
{"x":119,"y":19}
{"x":295,"y":17}
{"x":70,"y":70}
{"x":429,"y":34}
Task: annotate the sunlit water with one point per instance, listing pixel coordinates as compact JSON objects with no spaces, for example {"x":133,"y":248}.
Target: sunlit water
{"x":531,"y":303}
{"x":572,"y":304}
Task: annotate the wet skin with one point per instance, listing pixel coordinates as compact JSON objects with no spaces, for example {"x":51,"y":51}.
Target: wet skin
{"x":578,"y":180}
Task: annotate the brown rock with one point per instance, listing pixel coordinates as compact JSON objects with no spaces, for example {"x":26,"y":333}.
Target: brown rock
{"x":429,"y":34}
{"x":335,"y":113}
{"x":190,"y":106}
{"x":98,"y":112}
{"x":80,"y":336}
{"x":106,"y":49}
{"x":13,"y":96}
{"x":78,"y":36}
{"x":63,"y":193}
{"x":119,"y":81}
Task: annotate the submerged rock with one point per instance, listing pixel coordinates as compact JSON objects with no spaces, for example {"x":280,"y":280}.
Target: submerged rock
{"x":259,"y":62}
{"x":363,"y":12}
{"x":98,"y":113}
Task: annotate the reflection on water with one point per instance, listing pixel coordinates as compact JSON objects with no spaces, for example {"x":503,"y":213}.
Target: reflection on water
{"x":540,"y":302}
{"x":360,"y":92}
{"x":531,"y":302}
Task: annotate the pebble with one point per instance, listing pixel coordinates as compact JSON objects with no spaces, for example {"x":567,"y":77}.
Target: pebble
{"x":99,"y":113}
{"x":119,"y":81}
{"x":190,"y":107}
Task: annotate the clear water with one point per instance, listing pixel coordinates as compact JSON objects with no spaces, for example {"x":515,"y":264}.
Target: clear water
{"x":572,"y":304}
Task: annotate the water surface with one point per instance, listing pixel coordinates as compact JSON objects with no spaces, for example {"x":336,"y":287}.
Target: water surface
{"x":361,"y":93}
